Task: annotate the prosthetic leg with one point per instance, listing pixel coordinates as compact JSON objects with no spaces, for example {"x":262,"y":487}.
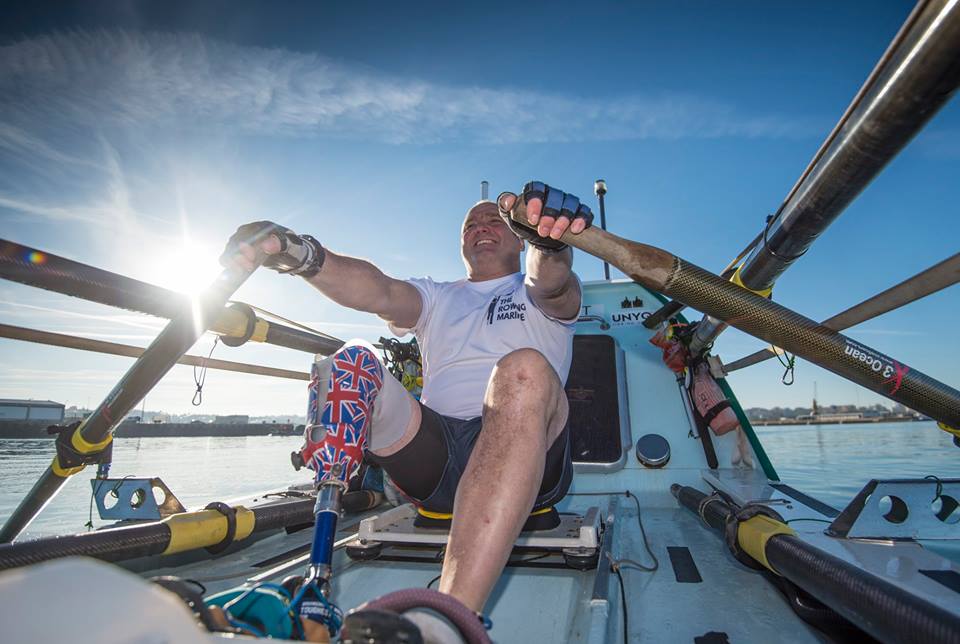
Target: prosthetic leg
{"x":343,"y":389}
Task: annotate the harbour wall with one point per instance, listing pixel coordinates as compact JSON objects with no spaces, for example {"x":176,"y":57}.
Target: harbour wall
{"x":38,"y":429}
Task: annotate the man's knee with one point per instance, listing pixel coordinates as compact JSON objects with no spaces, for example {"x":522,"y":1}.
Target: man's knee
{"x":525,"y":379}
{"x":523,"y":366}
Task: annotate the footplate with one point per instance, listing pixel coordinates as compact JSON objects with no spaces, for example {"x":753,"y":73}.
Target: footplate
{"x":577,"y":537}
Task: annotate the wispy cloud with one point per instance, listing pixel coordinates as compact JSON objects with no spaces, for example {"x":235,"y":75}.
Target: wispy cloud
{"x":20,"y":142}
{"x":142,"y":80}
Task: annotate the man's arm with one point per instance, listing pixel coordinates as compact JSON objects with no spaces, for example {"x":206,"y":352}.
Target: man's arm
{"x":551,"y":283}
{"x":350,"y":282}
{"x":358,"y":284}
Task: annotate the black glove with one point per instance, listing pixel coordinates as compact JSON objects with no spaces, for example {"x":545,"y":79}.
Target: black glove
{"x":556,"y":204}
{"x":299,"y":254}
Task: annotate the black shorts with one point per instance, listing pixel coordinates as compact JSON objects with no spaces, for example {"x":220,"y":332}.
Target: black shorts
{"x":429,"y":468}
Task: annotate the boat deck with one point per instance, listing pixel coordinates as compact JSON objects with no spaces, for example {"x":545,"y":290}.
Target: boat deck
{"x":545,"y":604}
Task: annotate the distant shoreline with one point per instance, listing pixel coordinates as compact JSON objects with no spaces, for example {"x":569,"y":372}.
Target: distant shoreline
{"x":836,"y":421}
{"x":38,"y":429}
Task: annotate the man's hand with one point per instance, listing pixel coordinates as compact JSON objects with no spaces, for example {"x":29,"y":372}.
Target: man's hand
{"x":286,"y":252}
{"x":552,"y":211}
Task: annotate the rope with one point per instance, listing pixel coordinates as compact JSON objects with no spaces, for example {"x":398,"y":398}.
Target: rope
{"x":788,"y":362}
{"x":95,"y":491}
{"x":939,"y":492}
{"x":646,"y":543}
{"x":202,"y":378}
{"x":615,"y":568}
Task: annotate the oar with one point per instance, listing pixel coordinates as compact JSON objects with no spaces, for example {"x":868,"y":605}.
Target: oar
{"x":879,"y":604}
{"x":50,"y":272}
{"x":115,"y":348}
{"x":96,"y":431}
{"x":762,"y":318}
{"x":935,"y":278}
{"x":181,"y":532}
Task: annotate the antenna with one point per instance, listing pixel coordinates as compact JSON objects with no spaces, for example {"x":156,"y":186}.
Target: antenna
{"x":484,"y":190}
{"x":600,"y":189}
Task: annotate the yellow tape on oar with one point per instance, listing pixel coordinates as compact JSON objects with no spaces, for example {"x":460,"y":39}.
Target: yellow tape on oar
{"x":754,"y":533}
{"x":64,"y":472}
{"x":260,"y":331}
{"x":82,"y":446}
{"x":736,"y":279}
{"x":86,"y":447}
{"x":950,"y":430}
{"x":204,"y":528}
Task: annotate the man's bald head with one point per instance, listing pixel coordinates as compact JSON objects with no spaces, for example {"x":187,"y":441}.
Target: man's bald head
{"x":482,"y":206}
{"x":488,"y":246}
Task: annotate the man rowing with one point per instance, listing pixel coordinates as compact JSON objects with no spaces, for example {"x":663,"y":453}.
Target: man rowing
{"x":488,"y":441}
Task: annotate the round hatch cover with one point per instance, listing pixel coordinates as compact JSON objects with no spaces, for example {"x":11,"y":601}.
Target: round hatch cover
{"x":653,"y":450}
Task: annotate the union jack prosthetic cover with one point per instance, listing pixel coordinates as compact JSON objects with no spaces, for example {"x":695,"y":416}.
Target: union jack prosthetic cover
{"x":336,"y":433}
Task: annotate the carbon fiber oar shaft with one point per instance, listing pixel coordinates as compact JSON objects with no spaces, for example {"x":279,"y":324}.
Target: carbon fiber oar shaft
{"x":762,"y":318}
{"x":933,"y":279}
{"x":34,"y":267}
{"x":885,"y":610}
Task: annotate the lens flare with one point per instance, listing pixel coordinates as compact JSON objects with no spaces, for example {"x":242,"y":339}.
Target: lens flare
{"x":36,"y":257}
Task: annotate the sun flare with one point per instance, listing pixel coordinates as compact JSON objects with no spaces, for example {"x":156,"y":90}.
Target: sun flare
{"x":188,"y":268}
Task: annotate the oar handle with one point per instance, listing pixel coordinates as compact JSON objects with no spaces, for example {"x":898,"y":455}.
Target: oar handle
{"x":647,"y":265}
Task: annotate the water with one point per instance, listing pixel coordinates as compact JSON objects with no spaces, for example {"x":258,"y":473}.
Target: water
{"x":197,"y":471}
{"x":833,"y":462}
{"x":830,"y":462}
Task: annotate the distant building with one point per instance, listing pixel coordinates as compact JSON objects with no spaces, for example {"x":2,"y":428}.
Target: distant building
{"x":46,"y":410}
{"x":840,"y":416}
{"x":235,"y":419}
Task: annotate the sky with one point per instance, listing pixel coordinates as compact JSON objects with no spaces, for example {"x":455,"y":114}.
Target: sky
{"x":136,"y":136}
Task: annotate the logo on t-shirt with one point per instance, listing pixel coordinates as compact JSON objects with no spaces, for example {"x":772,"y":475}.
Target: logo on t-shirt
{"x":502,"y":307}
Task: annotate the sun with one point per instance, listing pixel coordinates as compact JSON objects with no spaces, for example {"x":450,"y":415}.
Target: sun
{"x":189,"y":267}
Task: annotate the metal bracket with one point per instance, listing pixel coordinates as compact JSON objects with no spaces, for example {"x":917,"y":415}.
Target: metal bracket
{"x":716,"y":367}
{"x":902,"y":509}
{"x":134,"y":499}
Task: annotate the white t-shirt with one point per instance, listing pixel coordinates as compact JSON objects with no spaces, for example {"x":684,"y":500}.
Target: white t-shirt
{"x":465,"y":327}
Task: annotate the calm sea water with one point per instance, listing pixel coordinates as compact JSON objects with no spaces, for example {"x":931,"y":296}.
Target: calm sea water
{"x":197,"y":471}
{"x":830,"y":462}
{"x":833,"y":462}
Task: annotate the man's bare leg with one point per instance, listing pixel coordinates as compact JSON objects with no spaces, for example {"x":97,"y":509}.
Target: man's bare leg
{"x":524,"y":410}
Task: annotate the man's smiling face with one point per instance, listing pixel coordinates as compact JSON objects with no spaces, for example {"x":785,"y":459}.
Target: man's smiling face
{"x":488,"y":246}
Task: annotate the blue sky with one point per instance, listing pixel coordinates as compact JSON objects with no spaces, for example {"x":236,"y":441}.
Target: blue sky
{"x":136,"y":136}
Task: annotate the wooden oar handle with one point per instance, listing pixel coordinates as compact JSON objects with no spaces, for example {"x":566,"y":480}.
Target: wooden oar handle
{"x":647,"y":265}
